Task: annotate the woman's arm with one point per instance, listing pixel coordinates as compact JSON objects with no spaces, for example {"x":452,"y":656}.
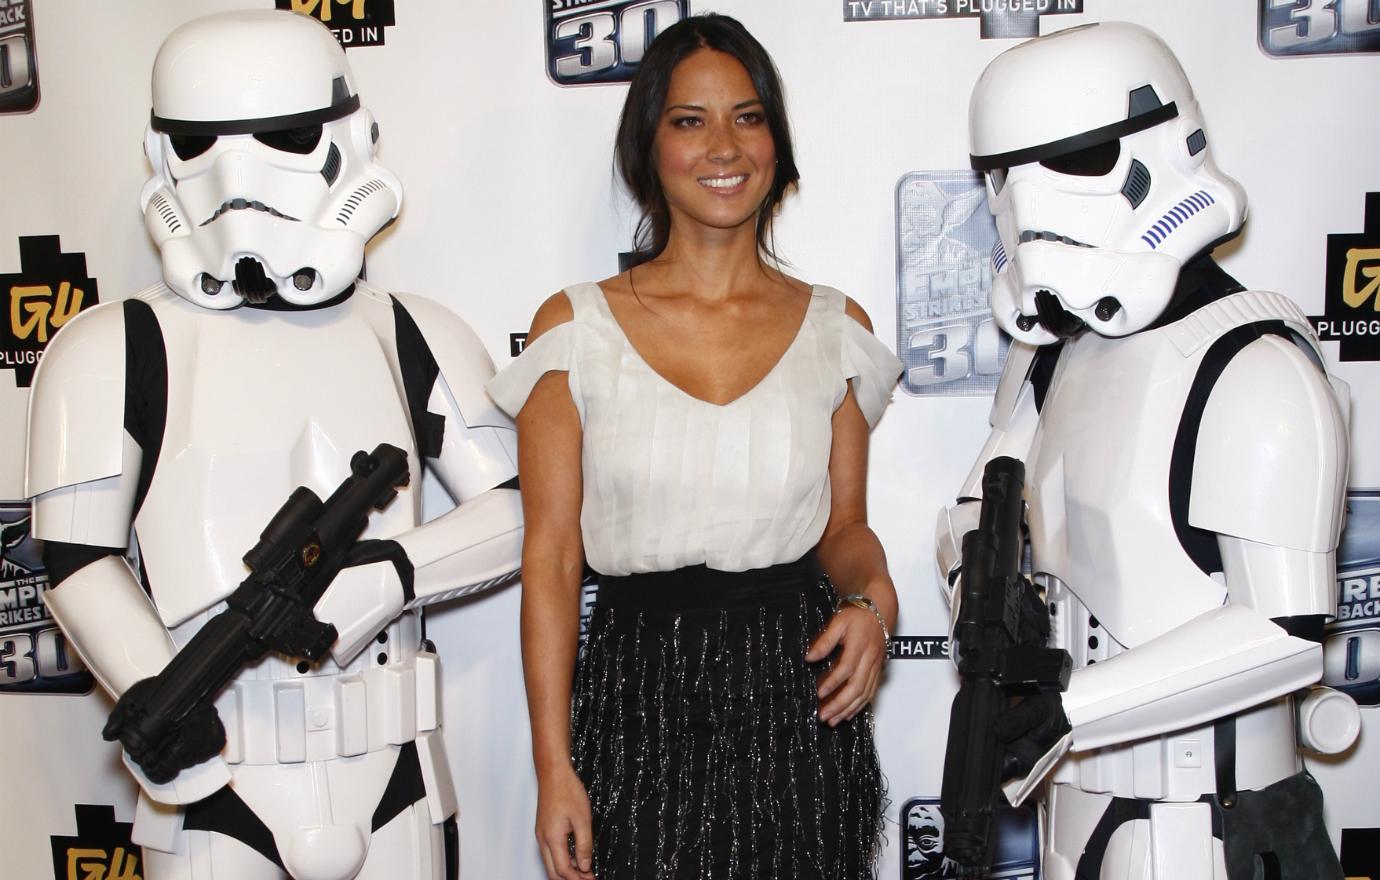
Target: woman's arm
{"x":549,"y":437}
{"x":853,"y":557}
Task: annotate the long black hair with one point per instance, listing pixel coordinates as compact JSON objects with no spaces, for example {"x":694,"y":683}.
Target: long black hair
{"x":637,"y":126}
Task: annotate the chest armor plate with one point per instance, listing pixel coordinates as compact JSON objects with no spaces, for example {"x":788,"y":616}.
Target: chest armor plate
{"x":1098,"y":484}
{"x":258,"y":403}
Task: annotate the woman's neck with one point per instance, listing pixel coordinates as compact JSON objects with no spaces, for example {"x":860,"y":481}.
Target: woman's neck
{"x":712,"y":264}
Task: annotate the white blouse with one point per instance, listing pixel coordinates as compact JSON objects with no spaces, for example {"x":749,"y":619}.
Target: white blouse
{"x":671,"y":480}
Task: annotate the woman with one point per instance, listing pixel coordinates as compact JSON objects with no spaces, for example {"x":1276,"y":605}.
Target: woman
{"x":688,"y":427}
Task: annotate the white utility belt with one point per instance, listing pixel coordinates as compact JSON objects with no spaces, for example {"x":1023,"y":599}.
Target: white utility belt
{"x":316,"y":718}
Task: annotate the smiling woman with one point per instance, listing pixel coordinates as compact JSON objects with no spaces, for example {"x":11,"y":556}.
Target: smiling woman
{"x":695,"y":429}
{"x":732,"y":50}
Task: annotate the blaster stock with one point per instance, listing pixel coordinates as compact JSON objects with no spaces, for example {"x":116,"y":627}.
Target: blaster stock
{"x":1000,"y":640}
{"x":298,"y":554}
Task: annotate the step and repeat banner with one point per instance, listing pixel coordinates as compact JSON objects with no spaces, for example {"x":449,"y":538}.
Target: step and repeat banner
{"x":499,"y":119}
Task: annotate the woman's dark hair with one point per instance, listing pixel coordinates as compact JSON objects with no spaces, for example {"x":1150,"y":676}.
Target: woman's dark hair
{"x":647,"y":99}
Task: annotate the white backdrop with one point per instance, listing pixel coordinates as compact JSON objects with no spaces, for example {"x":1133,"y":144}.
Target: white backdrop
{"x":509,"y":195}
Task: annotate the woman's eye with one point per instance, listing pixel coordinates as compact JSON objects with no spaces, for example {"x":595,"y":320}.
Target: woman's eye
{"x":685,"y":121}
{"x":752,"y":118}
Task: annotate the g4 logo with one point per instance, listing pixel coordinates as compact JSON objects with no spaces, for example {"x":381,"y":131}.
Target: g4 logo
{"x":1307,"y":27}
{"x":34,"y":308}
{"x":605,"y":44}
{"x":1361,"y":277}
{"x":353,"y":22}
{"x":97,"y":864}
{"x":322,"y":8}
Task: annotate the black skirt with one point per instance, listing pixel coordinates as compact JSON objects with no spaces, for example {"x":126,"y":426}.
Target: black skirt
{"x":695,"y":732}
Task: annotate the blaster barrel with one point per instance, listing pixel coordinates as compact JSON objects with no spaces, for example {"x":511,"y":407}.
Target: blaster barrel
{"x":985,"y":630}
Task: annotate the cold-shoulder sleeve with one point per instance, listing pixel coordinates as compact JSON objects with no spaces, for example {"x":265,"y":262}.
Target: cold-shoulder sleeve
{"x":871,"y":367}
{"x":555,"y":350}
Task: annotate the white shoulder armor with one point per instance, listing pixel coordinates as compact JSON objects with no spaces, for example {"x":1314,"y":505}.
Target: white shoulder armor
{"x":1271,"y":455}
{"x":462,"y":358}
{"x":79,"y":391}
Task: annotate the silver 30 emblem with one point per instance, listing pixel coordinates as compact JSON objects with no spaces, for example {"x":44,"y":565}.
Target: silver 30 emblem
{"x":1316,"y":27}
{"x":947,"y":338}
{"x":603,"y":41}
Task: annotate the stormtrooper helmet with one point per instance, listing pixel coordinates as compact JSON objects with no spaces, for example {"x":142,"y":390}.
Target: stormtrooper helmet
{"x":264,"y":180}
{"x":1099,"y":173}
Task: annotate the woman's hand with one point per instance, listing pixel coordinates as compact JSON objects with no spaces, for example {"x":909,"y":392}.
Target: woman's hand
{"x":562,"y":815}
{"x":852,"y":556}
{"x":852,"y":682}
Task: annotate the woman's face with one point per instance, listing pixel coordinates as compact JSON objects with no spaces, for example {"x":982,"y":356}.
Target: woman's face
{"x":714,"y":152}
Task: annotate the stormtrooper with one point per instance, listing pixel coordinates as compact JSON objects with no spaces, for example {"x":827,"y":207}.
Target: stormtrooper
{"x":166,"y":430}
{"x":1186,"y":457}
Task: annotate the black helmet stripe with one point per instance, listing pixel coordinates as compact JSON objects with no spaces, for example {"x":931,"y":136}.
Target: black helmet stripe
{"x":217,"y":127}
{"x":1071,"y":143}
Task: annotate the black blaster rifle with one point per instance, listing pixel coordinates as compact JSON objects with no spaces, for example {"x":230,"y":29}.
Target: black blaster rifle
{"x":167,"y":723}
{"x":1000,"y":637}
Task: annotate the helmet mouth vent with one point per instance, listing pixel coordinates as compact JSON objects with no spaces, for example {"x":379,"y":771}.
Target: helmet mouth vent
{"x":251,"y":282}
{"x":1055,"y":318}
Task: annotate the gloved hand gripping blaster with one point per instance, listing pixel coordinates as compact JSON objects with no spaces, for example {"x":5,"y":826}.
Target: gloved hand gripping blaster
{"x":167,"y":723}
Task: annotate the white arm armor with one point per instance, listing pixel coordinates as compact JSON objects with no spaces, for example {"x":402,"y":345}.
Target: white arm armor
{"x":1271,"y":459}
{"x":1269,"y":478}
{"x":477,"y":544}
{"x":83,"y":493}
{"x":79,"y":391}
{"x":1221,"y":662}
{"x":116,"y":630}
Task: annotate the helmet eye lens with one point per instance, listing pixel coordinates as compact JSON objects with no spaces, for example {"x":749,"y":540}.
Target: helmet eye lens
{"x":189,"y":146}
{"x":1093,"y":161}
{"x":300,"y":140}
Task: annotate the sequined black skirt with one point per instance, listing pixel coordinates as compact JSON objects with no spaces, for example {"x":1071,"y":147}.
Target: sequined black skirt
{"x":695,"y":732}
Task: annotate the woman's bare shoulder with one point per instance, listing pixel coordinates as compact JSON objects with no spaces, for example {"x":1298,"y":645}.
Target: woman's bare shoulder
{"x":850,"y":306}
{"x":556,"y":310}
{"x":856,"y":312}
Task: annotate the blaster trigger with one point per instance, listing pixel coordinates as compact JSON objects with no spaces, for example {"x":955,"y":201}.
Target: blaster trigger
{"x":310,"y":640}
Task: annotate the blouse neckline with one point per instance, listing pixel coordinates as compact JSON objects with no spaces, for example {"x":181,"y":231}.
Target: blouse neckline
{"x":775,"y":367}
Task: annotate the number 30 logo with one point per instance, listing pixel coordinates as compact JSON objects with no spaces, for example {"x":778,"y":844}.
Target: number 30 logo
{"x":1319,"y":27}
{"x":603,"y":41}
